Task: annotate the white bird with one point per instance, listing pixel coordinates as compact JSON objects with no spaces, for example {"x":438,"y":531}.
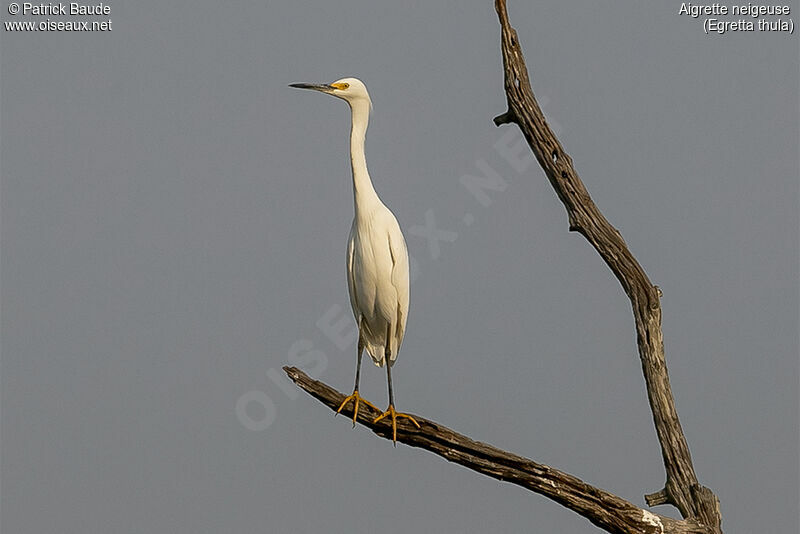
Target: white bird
{"x":377,"y":259}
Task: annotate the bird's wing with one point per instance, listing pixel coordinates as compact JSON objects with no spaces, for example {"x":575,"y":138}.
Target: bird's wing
{"x":400,"y":281}
{"x":351,"y":283}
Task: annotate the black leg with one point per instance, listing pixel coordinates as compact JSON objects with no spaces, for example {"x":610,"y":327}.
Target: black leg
{"x":355,"y":396}
{"x":389,"y":380}
{"x":387,"y":356}
{"x":387,"y":359}
{"x":358,"y":364}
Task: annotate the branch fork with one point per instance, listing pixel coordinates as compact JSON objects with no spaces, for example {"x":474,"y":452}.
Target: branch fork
{"x":697,"y":504}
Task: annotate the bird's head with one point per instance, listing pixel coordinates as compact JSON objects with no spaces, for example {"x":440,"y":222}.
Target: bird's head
{"x":351,"y":90}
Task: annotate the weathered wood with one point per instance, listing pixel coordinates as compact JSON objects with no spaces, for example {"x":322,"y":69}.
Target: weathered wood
{"x":697,"y":504}
{"x":602,"y":508}
{"x":682,"y":488}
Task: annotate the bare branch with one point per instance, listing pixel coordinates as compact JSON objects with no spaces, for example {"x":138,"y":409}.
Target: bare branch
{"x":682,"y":488}
{"x":604,"y":509}
{"x":698,"y":505}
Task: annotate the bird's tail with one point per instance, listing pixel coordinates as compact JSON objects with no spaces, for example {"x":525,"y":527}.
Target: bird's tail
{"x":377,"y":352}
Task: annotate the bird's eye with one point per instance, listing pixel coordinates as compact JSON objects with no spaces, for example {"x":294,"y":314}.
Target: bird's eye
{"x":340,"y":86}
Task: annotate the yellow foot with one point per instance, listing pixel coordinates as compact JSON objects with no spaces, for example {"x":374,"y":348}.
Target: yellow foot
{"x":395,"y":415}
{"x":357,"y":398}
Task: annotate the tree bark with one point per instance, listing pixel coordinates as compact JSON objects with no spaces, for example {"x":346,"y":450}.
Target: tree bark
{"x":681,"y":488}
{"x":604,"y":509}
{"x":697,"y":504}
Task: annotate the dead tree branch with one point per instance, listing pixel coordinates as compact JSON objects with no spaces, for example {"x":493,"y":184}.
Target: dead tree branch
{"x":604,"y":509}
{"x":682,"y":488}
{"x":697,"y":504}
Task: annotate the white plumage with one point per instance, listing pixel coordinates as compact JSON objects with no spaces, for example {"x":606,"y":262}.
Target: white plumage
{"x":377,"y":276}
{"x":377,"y":259}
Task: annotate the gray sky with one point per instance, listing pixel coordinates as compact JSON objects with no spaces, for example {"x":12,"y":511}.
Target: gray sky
{"x":174,"y":221}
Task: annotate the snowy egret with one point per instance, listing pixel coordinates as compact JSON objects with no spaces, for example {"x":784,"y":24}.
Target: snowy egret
{"x":377,"y":259}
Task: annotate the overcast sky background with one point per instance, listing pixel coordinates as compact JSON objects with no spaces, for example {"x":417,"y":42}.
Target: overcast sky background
{"x":174,"y":221}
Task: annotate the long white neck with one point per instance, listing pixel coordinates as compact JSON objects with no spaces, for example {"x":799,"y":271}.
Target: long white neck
{"x":364,"y":194}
